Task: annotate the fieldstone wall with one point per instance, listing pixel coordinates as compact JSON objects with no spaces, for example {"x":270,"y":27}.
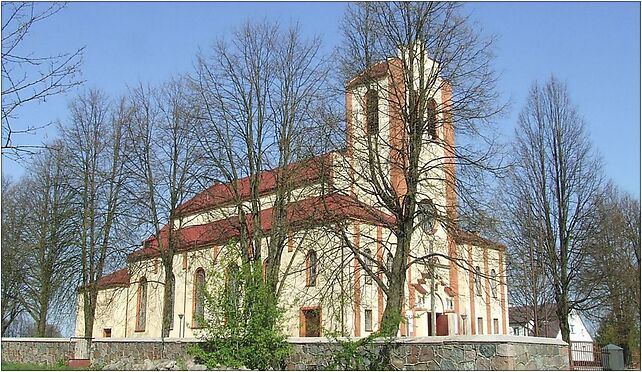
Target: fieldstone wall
{"x":425,"y":353}
{"x":36,"y":350}
{"x":448,"y":353}
{"x":105,"y":351}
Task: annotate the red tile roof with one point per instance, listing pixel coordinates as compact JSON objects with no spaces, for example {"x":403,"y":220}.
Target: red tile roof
{"x":307,"y":212}
{"x":119,"y":278}
{"x":465,"y":237}
{"x":300,"y":173}
{"x":374,"y":71}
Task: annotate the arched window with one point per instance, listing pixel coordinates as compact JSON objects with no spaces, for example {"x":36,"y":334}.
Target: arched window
{"x":264,"y":269}
{"x":372,"y":111}
{"x":231,"y":278}
{"x":432,"y":119}
{"x":478,"y":285}
{"x":231,"y":288}
{"x":493,"y":283}
{"x":172,"y":297}
{"x":311,"y":268}
{"x":141,"y":308}
{"x":198,"y":298}
{"x":367,"y":253}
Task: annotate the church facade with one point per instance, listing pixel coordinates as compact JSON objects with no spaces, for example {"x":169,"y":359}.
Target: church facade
{"x":323,"y":287}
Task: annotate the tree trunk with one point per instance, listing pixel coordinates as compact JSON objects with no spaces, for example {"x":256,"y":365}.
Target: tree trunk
{"x":89,"y":299}
{"x":562,"y":315}
{"x":168,"y":302}
{"x":392,"y":312}
{"x":41,"y":325}
{"x":41,"y":322}
{"x":395,"y":297}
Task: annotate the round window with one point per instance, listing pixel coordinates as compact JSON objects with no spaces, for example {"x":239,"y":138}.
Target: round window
{"x":428,"y":215}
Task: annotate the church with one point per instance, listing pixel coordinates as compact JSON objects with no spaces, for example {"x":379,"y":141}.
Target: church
{"x":323,"y":287}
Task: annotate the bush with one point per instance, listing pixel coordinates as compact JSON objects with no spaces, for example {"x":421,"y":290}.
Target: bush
{"x":242,"y":322}
{"x":368,"y":353}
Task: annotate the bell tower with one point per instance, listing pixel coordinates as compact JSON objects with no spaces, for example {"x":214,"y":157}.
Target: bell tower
{"x":378,"y":101}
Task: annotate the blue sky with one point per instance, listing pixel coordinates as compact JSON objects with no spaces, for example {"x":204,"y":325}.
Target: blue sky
{"x":593,"y":47}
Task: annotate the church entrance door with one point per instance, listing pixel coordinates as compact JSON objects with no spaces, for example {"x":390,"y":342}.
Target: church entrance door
{"x":442,"y":324}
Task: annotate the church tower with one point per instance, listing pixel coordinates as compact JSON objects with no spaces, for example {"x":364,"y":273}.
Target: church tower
{"x":378,"y":102}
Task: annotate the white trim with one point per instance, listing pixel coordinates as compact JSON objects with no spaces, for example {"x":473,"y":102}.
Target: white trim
{"x":468,"y":339}
{"x":310,"y":340}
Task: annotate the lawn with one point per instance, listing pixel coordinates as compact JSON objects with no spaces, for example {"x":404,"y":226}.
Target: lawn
{"x":60,"y":366}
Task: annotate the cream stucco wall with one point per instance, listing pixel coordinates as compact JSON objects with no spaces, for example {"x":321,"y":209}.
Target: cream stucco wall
{"x":335,"y":293}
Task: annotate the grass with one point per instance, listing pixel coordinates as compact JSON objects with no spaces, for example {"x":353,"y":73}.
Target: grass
{"x":60,"y":366}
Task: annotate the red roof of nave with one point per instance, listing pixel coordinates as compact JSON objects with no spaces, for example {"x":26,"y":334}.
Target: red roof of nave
{"x":301,"y":173}
{"x":308,"y":212}
{"x":118,"y":278}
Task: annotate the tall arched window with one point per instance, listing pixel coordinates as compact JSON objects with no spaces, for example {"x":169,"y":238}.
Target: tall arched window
{"x":372,"y":111}
{"x":311,"y":268}
{"x":198,"y":298}
{"x":141,"y":308}
{"x":367,"y":253}
{"x":231,"y":288}
{"x":172,"y":297}
{"x":478,"y":285}
{"x":432,"y":119}
{"x":231,"y":278}
{"x":493,"y":283}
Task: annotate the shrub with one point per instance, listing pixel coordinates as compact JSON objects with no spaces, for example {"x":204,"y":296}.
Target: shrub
{"x":368,"y":353}
{"x":242,"y":322}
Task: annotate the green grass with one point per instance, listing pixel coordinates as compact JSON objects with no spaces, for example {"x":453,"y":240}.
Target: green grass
{"x":60,"y":366}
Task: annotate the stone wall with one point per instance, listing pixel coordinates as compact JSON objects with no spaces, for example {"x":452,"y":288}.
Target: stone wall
{"x":449,"y":353}
{"x":36,"y":350}
{"x":105,"y":351}
{"x":425,"y":353}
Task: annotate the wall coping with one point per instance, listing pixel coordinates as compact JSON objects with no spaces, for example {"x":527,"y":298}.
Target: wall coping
{"x":489,"y":338}
{"x":149,"y":340}
{"x":444,"y":339}
{"x":317,"y":340}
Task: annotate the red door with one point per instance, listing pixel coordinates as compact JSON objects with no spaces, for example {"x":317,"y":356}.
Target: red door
{"x":442,"y":324}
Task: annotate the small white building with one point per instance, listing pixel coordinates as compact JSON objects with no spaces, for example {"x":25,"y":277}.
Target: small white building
{"x":522,"y":323}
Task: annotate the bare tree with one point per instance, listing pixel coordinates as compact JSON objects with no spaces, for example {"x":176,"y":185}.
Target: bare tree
{"x":95,"y":161}
{"x":258,"y":94}
{"x":615,"y":266}
{"x":440,"y":83}
{"x":163,"y":161}
{"x":14,"y":243}
{"x":555,"y":184}
{"x":27,"y":77}
{"x":50,"y":264}
{"x":530,"y":289}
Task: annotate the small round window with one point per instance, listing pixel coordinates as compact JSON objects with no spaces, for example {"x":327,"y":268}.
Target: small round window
{"x":427,"y":215}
